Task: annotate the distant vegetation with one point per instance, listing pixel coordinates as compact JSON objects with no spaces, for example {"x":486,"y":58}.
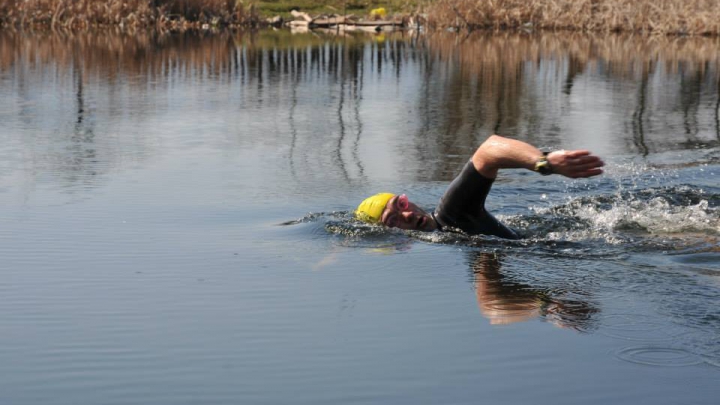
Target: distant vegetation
{"x":675,"y":17}
{"x":76,"y":14}
{"x":175,"y":14}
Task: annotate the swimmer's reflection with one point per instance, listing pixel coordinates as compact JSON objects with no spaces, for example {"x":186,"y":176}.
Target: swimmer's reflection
{"x":505,"y":302}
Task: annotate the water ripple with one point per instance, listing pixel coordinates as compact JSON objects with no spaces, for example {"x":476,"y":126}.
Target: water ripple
{"x":658,"y":356}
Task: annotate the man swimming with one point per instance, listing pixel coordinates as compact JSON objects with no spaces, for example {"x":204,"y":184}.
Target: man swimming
{"x":462,"y":207}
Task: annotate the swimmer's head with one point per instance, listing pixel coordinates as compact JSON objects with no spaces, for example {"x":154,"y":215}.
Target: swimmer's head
{"x":394,"y":211}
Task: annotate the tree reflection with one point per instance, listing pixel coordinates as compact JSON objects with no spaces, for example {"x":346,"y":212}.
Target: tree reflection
{"x":638,"y":118}
{"x":717,"y":109}
{"x":690,"y":89}
{"x":463,"y":88}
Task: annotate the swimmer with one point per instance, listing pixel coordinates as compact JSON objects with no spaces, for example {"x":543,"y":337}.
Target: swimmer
{"x":462,"y":207}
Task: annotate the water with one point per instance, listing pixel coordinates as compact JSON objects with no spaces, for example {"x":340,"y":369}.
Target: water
{"x":176,"y":220}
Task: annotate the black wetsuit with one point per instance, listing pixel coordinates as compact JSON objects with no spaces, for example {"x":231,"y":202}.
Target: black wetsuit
{"x":463,"y":206}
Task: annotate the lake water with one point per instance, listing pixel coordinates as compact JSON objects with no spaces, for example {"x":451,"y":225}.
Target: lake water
{"x":176,"y":220}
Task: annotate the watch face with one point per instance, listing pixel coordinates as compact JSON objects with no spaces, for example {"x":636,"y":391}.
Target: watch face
{"x":543,"y":167}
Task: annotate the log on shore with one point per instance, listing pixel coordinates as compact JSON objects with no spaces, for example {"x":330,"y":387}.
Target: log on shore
{"x":348,"y":21}
{"x":331,"y":22}
{"x":377,"y":23}
{"x":325,"y":22}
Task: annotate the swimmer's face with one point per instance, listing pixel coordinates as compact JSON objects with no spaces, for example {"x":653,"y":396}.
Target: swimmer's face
{"x":406,"y":216}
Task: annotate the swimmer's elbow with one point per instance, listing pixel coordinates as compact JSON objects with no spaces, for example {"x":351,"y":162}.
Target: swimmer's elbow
{"x":486,"y":158}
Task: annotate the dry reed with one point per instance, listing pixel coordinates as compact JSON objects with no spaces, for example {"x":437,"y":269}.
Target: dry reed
{"x":168,"y":14}
{"x":666,"y":17}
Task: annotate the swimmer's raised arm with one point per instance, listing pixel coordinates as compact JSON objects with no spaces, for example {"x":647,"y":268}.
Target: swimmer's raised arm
{"x":498,"y":153}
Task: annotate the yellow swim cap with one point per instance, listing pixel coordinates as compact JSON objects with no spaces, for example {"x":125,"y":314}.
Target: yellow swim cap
{"x":371,"y":209}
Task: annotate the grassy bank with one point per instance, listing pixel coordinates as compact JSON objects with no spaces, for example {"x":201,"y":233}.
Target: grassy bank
{"x":665,"y":17}
{"x":76,"y":14}
{"x":175,"y":14}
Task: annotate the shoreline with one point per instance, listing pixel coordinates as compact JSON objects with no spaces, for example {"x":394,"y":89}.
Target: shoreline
{"x":673,"y":18}
{"x":645,"y":17}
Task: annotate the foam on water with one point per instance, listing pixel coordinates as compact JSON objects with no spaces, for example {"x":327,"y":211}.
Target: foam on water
{"x":647,"y":206}
{"x":614,"y":218}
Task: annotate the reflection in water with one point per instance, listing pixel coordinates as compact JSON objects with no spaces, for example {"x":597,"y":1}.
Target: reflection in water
{"x":82,"y":139}
{"x":717,"y":110}
{"x":504,"y":301}
{"x":638,"y":119}
{"x":508,"y":102}
{"x":454,"y":91}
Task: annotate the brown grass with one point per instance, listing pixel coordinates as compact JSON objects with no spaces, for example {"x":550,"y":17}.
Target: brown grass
{"x":674,"y":17}
{"x":665,"y":17}
{"x":169,"y":14}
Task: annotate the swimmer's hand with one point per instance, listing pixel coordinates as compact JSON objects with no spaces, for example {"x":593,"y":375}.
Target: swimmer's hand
{"x":575,"y":163}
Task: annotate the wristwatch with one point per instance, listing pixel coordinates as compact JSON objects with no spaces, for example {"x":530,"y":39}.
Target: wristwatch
{"x":542,"y":165}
